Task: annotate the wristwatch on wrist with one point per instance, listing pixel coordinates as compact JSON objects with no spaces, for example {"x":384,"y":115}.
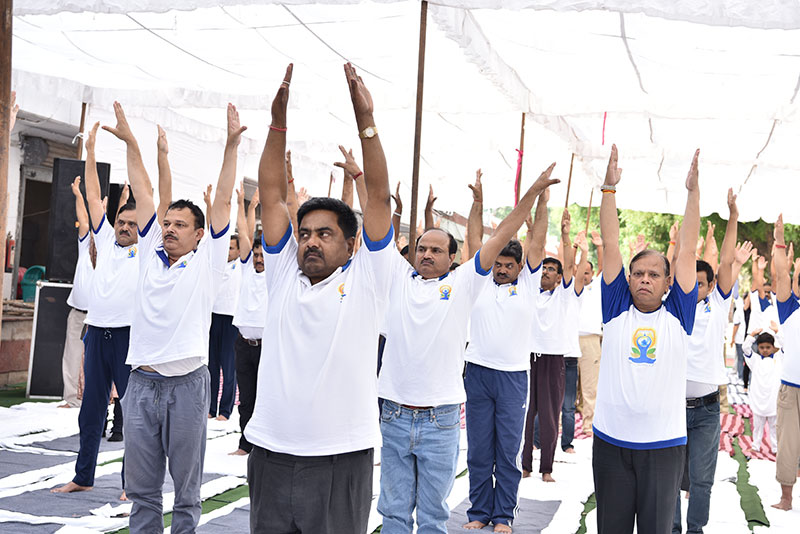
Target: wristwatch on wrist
{"x":368,"y":133}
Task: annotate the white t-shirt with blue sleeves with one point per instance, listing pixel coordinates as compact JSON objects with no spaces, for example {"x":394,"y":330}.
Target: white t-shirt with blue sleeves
{"x":427,"y":332}
{"x":555,"y":318}
{"x":706,"y":363}
{"x":789,"y":317}
{"x":316,"y":392}
{"x":641,"y":400}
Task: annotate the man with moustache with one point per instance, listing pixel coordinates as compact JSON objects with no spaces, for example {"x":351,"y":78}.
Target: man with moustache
{"x":109,"y":319}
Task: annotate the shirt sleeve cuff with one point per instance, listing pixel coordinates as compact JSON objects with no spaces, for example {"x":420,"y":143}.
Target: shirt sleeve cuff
{"x":99,"y":226}
{"x":279,"y":246}
{"x":375,"y":246}
{"x":478,"y":267}
{"x":143,"y":231}
{"x":217,"y":235}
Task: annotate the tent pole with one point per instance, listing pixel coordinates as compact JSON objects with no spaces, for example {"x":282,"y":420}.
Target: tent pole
{"x":518,"y":179}
{"x":569,"y":181}
{"x":83,"y":123}
{"x":412,"y":224}
{"x":6,"y":17}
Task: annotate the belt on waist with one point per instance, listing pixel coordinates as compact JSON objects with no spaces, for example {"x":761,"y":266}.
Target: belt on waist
{"x":251,"y":342}
{"x":78,"y":309}
{"x":416,"y":407}
{"x":703,"y":401}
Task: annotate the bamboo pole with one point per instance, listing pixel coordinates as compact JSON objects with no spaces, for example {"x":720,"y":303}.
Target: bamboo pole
{"x":518,"y":179}
{"x":569,"y":181}
{"x":412,"y":224}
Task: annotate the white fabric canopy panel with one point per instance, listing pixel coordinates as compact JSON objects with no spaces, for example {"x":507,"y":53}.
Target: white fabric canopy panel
{"x":708,"y":76}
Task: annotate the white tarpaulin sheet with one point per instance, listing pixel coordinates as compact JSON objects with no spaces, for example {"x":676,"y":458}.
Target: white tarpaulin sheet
{"x":658,"y":78}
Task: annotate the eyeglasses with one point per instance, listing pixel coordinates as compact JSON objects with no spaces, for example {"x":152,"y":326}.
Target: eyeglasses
{"x":550,"y":269}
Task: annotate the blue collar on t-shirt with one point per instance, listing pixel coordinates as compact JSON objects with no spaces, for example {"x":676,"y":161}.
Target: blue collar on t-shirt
{"x":415,"y":274}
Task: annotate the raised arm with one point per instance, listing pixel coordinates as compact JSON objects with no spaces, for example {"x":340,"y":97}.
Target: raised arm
{"x":137,"y":174}
{"x":783,"y":284}
{"x":245,"y":237}
{"x":80,"y":208}
{"x":94,"y":196}
{"x":583,"y":246}
{"x":378,"y":211}
{"x":475,"y":220}
{"x":725,"y":273}
{"x":711,"y":253}
{"x":597,"y":241}
{"x":292,"y":198}
{"x":221,"y":208}
{"x":398,"y":213}
{"x":164,"y":175}
{"x":272,"y":182}
{"x":534,"y":247}
{"x":673,"y":241}
{"x":251,"y":215}
{"x":609,"y":220}
{"x":740,"y":256}
{"x":509,"y":226}
{"x":796,"y":278}
{"x":207,"y":201}
{"x":685,"y":264}
{"x":759,"y":264}
{"x":352,"y":177}
{"x":566,"y":246}
{"x":347,"y":190}
{"x":13,"y":110}
{"x":429,"y":209}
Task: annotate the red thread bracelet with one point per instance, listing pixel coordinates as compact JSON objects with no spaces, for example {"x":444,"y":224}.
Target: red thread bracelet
{"x":277,"y":129}
{"x":360,"y":173}
{"x":779,"y":246}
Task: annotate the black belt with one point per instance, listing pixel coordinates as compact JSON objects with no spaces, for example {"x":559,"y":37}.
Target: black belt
{"x":251,"y":342}
{"x":711,"y":398}
{"x":78,"y":309}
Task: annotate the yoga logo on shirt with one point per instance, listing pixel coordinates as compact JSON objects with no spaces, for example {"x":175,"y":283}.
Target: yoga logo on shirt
{"x":512,"y":291}
{"x":132,"y":252}
{"x":444,"y":292}
{"x":342,"y":294}
{"x":644,"y":346}
{"x":707,"y":308}
{"x":181,"y":265}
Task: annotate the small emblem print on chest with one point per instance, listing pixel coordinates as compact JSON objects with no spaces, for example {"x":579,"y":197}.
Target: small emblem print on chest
{"x":181,"y":265}
{"x":512,"y":291}
{"x":644,"y":346}
{"x":132,"y":252}
{"x":444,"y":292}
{"x":342,"y":294}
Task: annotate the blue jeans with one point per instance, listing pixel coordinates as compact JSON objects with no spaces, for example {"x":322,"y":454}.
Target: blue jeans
{"x":739,"y":361}
{"x":496,"y":404}
{"x":418,"y":466}
{"x":222,"y":355}
{"x":702,"y":444}
{"x":568,"y":407}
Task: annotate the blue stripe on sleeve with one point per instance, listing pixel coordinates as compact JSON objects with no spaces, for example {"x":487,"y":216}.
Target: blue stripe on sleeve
{"x":375,"y":246}
{"x":615,"y":297}
{"x":478,"y":267}
{"x":786,"y":309}
{"x":683,"y":306}
{"x":279,"y":246}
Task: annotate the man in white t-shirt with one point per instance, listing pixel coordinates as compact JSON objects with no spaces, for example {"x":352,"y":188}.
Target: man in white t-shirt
{"x":109,"y":319}
{"x":78,"y":301}
{"x":168,"y":393}
{"x":553,"y":336}
{"x":222,"y":337}
{"x":496,"y":379}
{"x":738,"y":335}
{"x":789,"y":393}
{"x":640,"y":420}
{"x":705,"y":372}
{"x":421,"y":377}
{"x":315,"y":422}
{"x":590,"y":328}
{"x":251,"y":313}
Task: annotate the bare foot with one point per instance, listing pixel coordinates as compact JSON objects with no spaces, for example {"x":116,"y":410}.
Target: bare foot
{"x":588,"y":433}
{"x":474,"y":525}
{"x":526,"y":474}
{"x":70,"y":487}
{"x":570,"y":451}
{"x":221,"y":418}
{"x":687,"y":495}
{"x":210,"y":416}
{"x":502,"y":528}
{"x":783,"y":505}
{"x":238,"y":452}
{"x":547,"y":477}
{"x":123,"y":497}
{"x":64,"y":406}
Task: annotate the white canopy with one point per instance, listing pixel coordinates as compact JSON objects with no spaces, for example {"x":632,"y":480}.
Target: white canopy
{"x":658,"y":78}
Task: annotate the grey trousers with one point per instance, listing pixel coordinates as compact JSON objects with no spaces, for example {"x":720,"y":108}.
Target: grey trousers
{"x":72,"y":360}
{"x":309,"y":494}
{"x":165,"y":418}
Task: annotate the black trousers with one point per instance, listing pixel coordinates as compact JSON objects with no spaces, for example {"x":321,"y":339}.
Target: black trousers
{"x":546,"y":397}
{"x":247,"y":358}
{"x":640,"y":485}
{"x":309,"y":494}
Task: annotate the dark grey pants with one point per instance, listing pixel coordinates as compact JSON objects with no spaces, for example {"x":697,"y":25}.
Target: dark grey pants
{"x":636,"y":485}
{"x":165,"y":417}
{"x":309,"y":494}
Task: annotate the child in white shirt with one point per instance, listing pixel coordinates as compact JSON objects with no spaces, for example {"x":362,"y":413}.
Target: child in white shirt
{"x":764,"y":383}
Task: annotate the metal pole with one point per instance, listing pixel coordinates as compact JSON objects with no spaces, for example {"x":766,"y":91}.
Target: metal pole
{"x":518,"y":182}
{"x":412,"y":224}
{"x":6,"y":16}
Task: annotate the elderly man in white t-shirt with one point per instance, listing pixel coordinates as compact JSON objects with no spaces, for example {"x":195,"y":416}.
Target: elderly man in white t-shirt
{"x":166,"y":401}
{"x":706,"y":372}
{"x":640,"y":420}
{"x":421,"y":377}
{"x":315,"y":423}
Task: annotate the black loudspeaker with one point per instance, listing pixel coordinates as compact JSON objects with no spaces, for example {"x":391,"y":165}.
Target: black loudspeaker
{"x":47,"y":345}
{"x":62,"y":238}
